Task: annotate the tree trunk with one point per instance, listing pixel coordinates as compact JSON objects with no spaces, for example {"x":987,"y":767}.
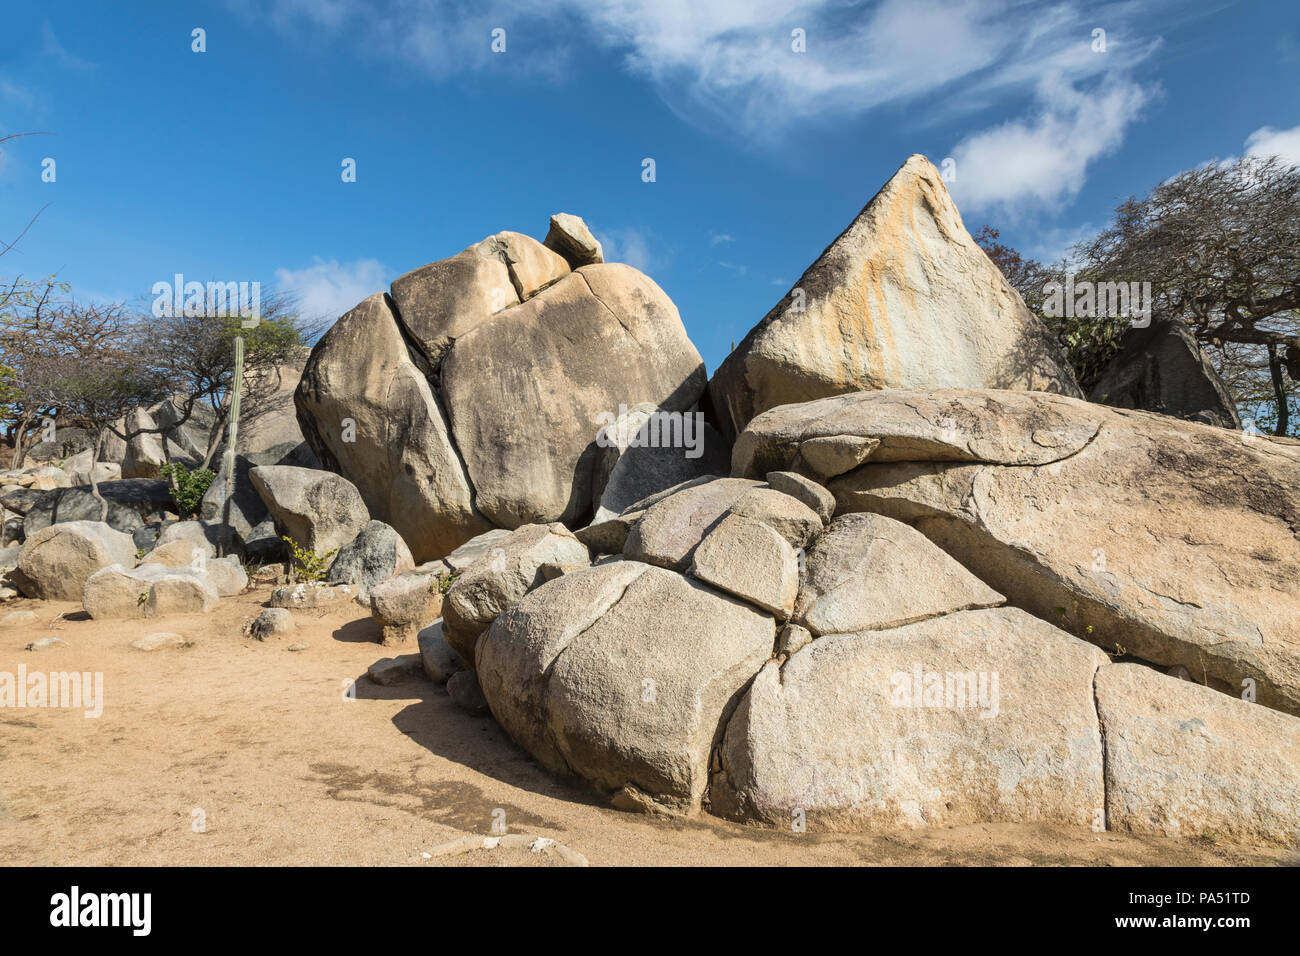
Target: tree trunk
{"x":94,"y":482}
{"x":1279,"y":391}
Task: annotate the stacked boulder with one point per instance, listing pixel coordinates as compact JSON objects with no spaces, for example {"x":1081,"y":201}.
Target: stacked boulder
{"x":472,"y":396}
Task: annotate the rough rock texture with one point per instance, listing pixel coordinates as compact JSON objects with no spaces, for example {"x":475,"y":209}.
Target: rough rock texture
{"x":438,"y":659}
{"x":838,"y":733}
{"x":600,"y":337}
{"x":443,"y":301}
{"x":319,"y":510}
{"x":672,"y":526}
{"x":1171,"y":540}
{"x":868,"y":572}
{"x":812,"y":494}
{"x":1182,"y":760}
{"x":463,"y":689}
{"x":786,"y":515}
{"x":179,"y":553}
{"x":130,"y":504}
{"x":144,"y":451}
{"x":375,"y":554}
{"x":55,"y":562}
{"x":623,"y":675}
{"x":570,"y":237}
{"x":903,"y":298}
{"x":501,"y":577}
{"x":252,"y":532}
{"x":1161,"y":368}
{"x":272,"y":622}
{"x":370,"y":414}
{"x":150,"y":590}
{"x":403,"y":605}
{"x":748,"y":559}
{"x":645,"y":452}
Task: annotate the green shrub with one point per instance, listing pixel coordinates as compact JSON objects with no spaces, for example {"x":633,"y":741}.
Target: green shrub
{"x":308,"y":565}
{"x":188,"y":487}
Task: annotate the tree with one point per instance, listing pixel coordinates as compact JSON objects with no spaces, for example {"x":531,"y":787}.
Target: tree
{"x":203,"y":358}
{"x":94,"y":364}
{"x":1220,"y":247}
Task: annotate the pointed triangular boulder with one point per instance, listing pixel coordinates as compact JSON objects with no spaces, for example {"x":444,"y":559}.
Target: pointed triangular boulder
{"x":904,"y":298}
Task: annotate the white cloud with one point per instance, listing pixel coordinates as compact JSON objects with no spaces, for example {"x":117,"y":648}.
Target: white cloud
{"x":328,"y":289}
{"x":1267,"y":141}
{"x":1043,"y":160}
{"x":628,"y":245}
{"x":718,"y":238}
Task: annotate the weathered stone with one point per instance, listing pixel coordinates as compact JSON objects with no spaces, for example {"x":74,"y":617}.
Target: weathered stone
{"x":463,"y":689}
{"x":645,"y":451}
{"x":868,"y":572}
{"x":319,"y":510}
{"x":18,"y":619}
{"x":475,"y":548}
{"x":369,"y":413}
{"x":815,"y":496}
{"x":786,"y":515}
{"x":747,"y":558}
{"x":570,"y":237}
{"x":671,"y":528}
{"x":439,"y":660}
{"x":1182,"y":760}
{"x":1161,"y":368}
{"x":623,"y":674}
{"x":1002,"y":728}
{"x":501,"y":577}
{"x":601,"y":337}
{"x":151,"y":590}
{"x":1170,"y":540}
{"x":179,"y":553}
{"x":307,"y":594}
{"x":130,"y":504}
{"x":272,"y":622}
{"x":375,"y":554}
{"x":226,"y":574}
{"x":18,"y":499}
{"x":403,"y":605}
{"x":442,"y":302}
{"x":903,"y":298}
{"x":144,"y":448}
{"x":55,"y":562}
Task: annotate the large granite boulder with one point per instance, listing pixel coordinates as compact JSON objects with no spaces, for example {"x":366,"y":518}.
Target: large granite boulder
{"x":55,"y":562}
{"x":473,"y":396}
{"x":973,"y":717}
{"x":132,"y":502}
{"x":623,"y":674}
{"x":319,"y":510}
{"x":150,"y":590}
{"x":903,"y":298}
{"x":1161,"y":368}
{"x":501,"y":577}
{"x":1168,"y":540}
{"x":1182,"y":760}
{"x":375,"y":554}
{"x":369,"y":411}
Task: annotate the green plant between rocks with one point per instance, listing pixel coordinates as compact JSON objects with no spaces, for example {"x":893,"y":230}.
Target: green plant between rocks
{"x":187,"y":487}
{"x":308,"y":565}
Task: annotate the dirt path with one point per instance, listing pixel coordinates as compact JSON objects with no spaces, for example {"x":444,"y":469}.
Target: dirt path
{"x":230,"y":751}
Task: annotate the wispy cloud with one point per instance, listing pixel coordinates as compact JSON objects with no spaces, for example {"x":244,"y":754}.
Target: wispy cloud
{"x":629,"y":245}
{"x":52,"y":48}
{"x":1043,"y":160}
{"x":762,"y":67}
{"x":328,"y":289}
{"x":721,"y":238}
{"x":1267,"y":141}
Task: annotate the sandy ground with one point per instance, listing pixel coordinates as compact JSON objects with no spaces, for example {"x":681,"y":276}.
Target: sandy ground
{"x":228,"y":751}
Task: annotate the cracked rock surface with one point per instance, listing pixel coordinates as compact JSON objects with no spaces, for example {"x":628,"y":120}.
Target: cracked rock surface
{"x":1172,"y":541}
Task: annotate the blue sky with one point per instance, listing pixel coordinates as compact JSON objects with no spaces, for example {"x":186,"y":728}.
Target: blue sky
{"x":226,"y":164}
